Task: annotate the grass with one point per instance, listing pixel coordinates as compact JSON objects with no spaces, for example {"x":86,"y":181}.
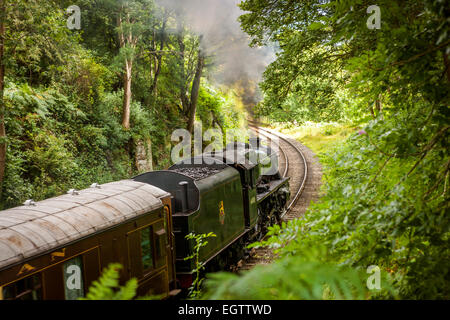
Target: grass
{"x":319,"y":137}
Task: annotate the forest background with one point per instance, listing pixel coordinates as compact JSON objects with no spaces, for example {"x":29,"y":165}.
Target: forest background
{"x":99,"y":103}
{"x":78,"y":107}
{"x":383,"y":70}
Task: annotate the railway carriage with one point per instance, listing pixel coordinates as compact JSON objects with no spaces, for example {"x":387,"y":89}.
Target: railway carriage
{"x":54,"y":249}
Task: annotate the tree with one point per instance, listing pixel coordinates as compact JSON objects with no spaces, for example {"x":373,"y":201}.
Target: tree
{"x":29,"y":31}
{"x":387,"y":186}
{"x":132,"y":21}
{"x":158,"y":53}
{"x":2,"y":87}
{"x":385,"y":63}
{"x":191,"y":73}
{"x":195,"y":90}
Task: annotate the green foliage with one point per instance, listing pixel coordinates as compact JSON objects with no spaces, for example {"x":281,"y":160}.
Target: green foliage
{"x":54,"y":146}
{"x":219,"y":108}
{"x":387,"y":196}
{"x":377,"y":211}
{"x":290,"y":278}
{"x":314,"y":93}
{"x":107,"y":286}
{"x":401,"y":64}
{"x":36,"y":38}
{"x":64,"y":96}
{"x":200,"y":242}
{"x":209,"y":108}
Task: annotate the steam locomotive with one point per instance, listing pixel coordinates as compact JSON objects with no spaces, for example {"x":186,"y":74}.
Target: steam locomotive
{"x":55,"y":248}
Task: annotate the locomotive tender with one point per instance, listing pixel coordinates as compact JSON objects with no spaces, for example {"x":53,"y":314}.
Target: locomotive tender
{"x":55,"y":248}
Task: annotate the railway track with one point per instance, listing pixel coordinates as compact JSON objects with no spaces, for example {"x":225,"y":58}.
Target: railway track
{"x":294,"y":164}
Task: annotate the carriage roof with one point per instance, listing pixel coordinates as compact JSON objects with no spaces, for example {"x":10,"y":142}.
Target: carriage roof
{"x":29,"y":230}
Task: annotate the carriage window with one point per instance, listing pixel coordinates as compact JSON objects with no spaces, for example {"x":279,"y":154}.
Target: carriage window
{"x":146,"y":248}
{"x":29,"y":288}
{"x":73,"y":278}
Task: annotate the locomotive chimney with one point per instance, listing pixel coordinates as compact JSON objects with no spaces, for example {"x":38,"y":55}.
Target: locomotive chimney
{"x":184,"y":196}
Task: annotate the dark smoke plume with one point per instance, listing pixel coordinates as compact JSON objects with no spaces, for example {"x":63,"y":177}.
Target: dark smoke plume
{"x":223,"y":40}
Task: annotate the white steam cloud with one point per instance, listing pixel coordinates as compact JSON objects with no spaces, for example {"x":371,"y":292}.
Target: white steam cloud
{"x":223,"y":39}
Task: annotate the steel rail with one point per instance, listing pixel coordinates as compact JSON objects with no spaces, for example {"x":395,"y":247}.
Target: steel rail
{"x":286,"y":161}
{"x":305,"y":175}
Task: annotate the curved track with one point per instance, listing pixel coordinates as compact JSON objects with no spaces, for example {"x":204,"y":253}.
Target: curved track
{"x":294,"y":164}
{"x":293,"y":168}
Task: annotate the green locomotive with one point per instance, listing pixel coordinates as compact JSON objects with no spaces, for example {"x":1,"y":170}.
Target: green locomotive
{"x":228,"y":193}
{"x":54,"y":249}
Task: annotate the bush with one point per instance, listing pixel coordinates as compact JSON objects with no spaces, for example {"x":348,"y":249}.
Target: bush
{"x":53,"y":146}
{"x":290,"y":278}
{"x":381,"y":208}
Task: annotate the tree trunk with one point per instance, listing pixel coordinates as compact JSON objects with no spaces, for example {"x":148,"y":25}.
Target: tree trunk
{"x":371,"y":110}
{"x":154,"y":86}
{"x":195,"y":90}
{"x":128,"y":69}
{"x":183,"y":96}
{"x":127,"y":94}
{"x":2,"y":102}
{"x":379,"y":106}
